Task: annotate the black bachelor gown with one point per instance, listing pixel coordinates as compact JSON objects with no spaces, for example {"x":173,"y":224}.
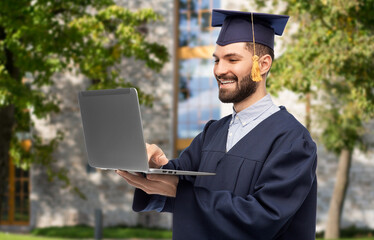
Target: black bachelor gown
{"x":265,"y":186}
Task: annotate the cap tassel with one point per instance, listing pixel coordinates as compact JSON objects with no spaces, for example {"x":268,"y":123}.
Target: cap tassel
{"x":256,"y":74}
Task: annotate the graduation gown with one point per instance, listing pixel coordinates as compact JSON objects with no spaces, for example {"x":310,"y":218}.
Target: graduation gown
{"x":264,"y":188}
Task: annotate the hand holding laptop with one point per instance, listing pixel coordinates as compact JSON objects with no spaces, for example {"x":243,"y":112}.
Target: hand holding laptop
{"x":153,"y":184}
{"x":160,"y":184}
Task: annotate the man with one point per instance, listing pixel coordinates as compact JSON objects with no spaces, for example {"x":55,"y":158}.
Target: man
{"x":264,"y":159}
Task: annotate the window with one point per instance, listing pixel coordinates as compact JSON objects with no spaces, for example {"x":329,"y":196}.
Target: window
{"x":197,"y":88}
{"x":16,"y":201}
{"x":195,"y":23}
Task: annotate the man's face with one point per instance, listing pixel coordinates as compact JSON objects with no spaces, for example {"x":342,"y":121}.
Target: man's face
{"x":232,"y":69}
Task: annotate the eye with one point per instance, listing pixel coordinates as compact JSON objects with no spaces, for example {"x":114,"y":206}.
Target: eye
{"x":216,"y":60}
{"x":233,"y":60}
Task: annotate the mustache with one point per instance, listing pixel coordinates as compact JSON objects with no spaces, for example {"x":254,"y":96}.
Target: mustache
{"x":226,"y":77}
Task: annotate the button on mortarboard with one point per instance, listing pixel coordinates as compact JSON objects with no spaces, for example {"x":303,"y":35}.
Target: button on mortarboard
{"x":237,"y":27}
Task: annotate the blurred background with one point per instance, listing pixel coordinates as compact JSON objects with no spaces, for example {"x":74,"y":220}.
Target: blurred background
{"x":50,"y":50}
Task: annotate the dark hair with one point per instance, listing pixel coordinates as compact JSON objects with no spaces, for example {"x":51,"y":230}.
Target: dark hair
{"x":261,"y":49}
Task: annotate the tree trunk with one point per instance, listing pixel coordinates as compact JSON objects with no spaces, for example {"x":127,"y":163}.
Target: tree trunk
{"x":338,"y":196}
{"x":6,"y":126}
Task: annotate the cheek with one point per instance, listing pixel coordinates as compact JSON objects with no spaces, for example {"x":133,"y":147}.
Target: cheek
{"x":242,"y":70}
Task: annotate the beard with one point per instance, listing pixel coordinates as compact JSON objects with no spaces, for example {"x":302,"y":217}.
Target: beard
{"x":244,"y":88}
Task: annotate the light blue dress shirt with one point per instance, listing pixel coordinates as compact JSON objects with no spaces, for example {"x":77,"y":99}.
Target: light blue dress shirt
{"x":244,"y":121}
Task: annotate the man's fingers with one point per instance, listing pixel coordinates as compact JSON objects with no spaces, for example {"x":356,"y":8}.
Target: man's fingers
{"x":137,"y":185}
{"x":153,"y":184}
{"x":156,"y":156}
{"x":169,"y":183}
{"x":161,"y":178}
{"x":134,"y":178}
{"x":152,"y":150}
{"x":140,"y":180}
{"x":162,"y":160}
{"x":137,"y":180}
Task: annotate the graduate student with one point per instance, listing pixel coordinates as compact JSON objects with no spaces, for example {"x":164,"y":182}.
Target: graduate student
{"x":264,"y":159}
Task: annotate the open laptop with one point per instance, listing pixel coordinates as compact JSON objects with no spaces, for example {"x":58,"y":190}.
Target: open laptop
{"x":113,"y":132}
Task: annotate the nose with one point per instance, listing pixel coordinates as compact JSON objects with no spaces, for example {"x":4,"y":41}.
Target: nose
{"x":220,"y":69}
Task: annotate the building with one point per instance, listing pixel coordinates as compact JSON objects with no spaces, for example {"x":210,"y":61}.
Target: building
{"x":185,"y":99}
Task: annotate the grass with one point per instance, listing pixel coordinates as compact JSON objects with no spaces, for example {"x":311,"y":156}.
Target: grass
{"x":11,"y":236}
{"x":85,"y":232}
{"x":137,"y":233}
{"x":352,"y":232}
{"x":110,"y":232}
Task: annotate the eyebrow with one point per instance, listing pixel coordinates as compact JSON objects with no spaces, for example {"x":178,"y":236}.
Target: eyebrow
{"x":228,"y":55}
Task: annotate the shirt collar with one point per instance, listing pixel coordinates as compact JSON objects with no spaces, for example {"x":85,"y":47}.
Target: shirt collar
{"x":254,"y":111}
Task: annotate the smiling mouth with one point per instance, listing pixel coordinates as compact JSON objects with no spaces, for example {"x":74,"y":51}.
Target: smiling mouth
{"x":223,"y":82}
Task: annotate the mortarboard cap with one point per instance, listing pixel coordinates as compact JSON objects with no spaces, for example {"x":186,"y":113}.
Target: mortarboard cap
{"x":237,"y":26}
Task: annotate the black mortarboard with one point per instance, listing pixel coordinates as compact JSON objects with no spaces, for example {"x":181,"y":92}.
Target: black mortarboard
{"x":237,"y":26}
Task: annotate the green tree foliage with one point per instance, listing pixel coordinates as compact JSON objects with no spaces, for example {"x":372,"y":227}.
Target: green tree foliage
{"x":331,"y":59}
{"x":39,"y":38}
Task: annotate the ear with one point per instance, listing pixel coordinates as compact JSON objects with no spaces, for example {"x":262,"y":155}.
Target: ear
{"x":265,"y":64}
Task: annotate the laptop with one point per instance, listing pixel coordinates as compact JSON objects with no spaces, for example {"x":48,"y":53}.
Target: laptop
{"x":113,"y":132}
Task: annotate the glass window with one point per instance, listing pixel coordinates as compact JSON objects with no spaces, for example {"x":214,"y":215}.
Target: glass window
{"x":183,"y":4}
{"x":16,"y":203}
{"x":205,"y":4}
{"x":195,"y":22}
{"x":183,"y":21}
{"x":18,"y":187}
{"x":216,"y":3}
{"x":4,"y":213}
{"x":198,"y":97}
{"x":205,"y":21}
{"x":198,"y":92}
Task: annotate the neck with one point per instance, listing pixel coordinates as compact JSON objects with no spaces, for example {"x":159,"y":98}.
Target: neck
{"x":249,"y":101}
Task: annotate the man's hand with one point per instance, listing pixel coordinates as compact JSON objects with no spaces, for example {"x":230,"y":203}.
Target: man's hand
{"x":165,"y":185}
{"x":156,"y":157}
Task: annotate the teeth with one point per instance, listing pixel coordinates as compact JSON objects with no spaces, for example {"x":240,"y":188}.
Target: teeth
{"x":226,"y":82}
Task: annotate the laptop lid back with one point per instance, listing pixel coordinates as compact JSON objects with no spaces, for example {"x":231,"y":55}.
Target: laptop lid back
{"x":113,"y":129}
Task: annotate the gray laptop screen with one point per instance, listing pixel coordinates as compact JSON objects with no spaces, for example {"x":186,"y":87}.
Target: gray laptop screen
{"x":113,"y":129}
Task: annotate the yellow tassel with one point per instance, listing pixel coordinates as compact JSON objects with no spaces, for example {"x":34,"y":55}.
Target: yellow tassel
{"x":256,"y":75}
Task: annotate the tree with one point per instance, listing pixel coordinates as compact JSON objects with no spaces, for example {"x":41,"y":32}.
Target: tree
{"x":41,"y":38}
{"x":331,"y":58}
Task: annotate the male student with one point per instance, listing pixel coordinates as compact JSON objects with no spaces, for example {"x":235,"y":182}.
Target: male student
{"x":264,"y":159}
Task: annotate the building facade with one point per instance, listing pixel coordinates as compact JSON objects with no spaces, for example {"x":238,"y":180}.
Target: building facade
{"x":185,"y":95}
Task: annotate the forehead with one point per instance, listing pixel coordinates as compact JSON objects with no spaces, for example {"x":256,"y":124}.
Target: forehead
{"x":238,"y":48}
